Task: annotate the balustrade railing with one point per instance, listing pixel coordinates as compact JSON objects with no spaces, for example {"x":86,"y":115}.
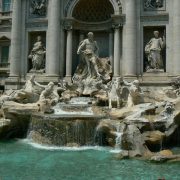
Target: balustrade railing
{"x":5,"y":14}
{"x":4,"y":65}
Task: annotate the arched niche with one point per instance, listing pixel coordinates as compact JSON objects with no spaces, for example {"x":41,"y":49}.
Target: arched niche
{"x":101,"y":17}
{"x":4,"y":51}
{"x":69,"y":8}
{"x":93,"y":10}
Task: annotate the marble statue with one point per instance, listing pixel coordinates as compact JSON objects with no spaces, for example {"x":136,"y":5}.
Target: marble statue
{"x":114,"y":92}
{"x":62,"y":86}
{"x":153,"y":51}
{"x":92,"y":70}
{"x":38,"y":7}
{"x":49,"y":93}
{"x":175,"y":82}
{"x":136,"y":95}
{"x":30,"y":93}
{"x":168,"y":109}
{"x":37,"y":56}
{"x":34,"y":92}
{"x":88,"y":49}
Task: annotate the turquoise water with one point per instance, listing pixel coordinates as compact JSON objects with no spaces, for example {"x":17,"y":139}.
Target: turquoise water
{"x":20,"y":160}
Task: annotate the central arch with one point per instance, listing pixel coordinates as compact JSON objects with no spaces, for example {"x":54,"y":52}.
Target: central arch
{"x":116,"y":5}
{"x":104,"y":18}
{"x":93,"y":10}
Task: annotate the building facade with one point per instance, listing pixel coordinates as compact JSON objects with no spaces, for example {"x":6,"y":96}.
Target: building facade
{"x":124,"y":31}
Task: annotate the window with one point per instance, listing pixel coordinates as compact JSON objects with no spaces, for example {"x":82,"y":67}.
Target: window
{"x":6,"y":5}
{"x":4,"y":54}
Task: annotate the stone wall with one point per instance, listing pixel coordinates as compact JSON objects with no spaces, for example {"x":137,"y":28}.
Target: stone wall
{"x":121,"y":36}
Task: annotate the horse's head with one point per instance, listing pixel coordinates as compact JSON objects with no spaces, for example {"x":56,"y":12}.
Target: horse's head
{"x":116,"y":82}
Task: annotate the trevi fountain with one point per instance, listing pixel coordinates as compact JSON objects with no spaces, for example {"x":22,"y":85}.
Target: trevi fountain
{"x":95,"y":122}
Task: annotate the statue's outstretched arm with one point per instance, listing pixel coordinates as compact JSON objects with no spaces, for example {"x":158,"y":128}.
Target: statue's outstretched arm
{"x":40,"y":85}
{"x":127,"y":83}
{"x":81,"y":46}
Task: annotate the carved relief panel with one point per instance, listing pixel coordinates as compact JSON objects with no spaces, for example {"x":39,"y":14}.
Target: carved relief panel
{"x":38,"y":8}
{"x":154,"y":5}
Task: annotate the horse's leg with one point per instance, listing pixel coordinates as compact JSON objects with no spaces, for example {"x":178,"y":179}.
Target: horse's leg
{"x":95,"y":66}
{"x":110,"y":103}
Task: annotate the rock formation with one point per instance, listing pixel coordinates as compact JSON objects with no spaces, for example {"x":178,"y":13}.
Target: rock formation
{"x":141,"y":125}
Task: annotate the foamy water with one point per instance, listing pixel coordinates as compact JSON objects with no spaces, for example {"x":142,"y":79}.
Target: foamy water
{"x":63,"y":148}
{"x":80,"y":100}
{"x":59,"y":111}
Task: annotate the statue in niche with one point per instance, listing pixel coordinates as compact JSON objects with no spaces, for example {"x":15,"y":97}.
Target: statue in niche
{"x":153,"y":4}
{"x":88,"y":49}
{"x":92,"y":70}
{"x":38,"y":7}
{"x":37,"y":56}
{"x":153,"y":51}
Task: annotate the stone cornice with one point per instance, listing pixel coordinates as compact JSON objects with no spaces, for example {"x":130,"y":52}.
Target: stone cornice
{"x":30,"y":24}
{"x":115,"y":21}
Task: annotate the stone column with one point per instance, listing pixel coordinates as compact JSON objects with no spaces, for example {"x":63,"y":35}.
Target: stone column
{"x":176,"y":34}
{"x":15,"y":56}
{"x":116,"y":63}
{"x":111,"y":47}
{"x":52,"y":60}
{"x":69,"y":55}
{"x":129,"y":35}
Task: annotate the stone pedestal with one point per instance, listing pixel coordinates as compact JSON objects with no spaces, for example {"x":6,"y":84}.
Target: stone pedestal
{"x":155,"y":77}
{"x":13,"y":82}
{"x":44,"y":79}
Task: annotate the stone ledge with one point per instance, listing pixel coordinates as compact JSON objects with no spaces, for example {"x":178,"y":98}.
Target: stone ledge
{"x":155,"y":17}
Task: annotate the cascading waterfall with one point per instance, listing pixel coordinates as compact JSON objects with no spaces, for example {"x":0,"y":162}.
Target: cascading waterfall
{"x":72,"y":124}
{"x":118,"y":139}
{"x":79,"y":105}
{"x":68,"y":109}
{"x":63,"y":131}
